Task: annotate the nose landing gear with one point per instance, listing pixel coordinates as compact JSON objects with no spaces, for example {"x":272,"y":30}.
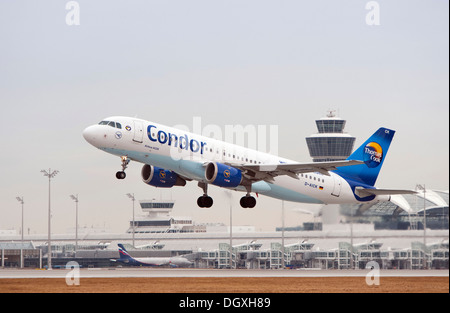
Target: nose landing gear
{"x":121,"y":174}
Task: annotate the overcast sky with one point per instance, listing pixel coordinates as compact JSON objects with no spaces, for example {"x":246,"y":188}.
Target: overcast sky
{"x":246,"y":62}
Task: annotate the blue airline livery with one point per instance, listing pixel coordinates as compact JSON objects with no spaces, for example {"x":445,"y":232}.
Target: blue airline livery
{"x":127,"y":259}
{"x":172,"y":157}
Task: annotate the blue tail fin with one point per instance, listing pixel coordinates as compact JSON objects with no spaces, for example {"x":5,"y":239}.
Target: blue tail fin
{"x":372,"y":153}
{"x":123,"y":253}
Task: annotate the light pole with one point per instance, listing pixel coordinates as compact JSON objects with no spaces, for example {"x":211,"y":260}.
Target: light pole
{"x":20,"y":199}
{"x":131,"y":196}
{"x":424,"y":224}
{"x":283,"y":265}
{"x":230,"y":197}
{"x":231,"y":233}
{"x":424,"y":216}
{"x":75,"y":198}
{"x":50,"y":175}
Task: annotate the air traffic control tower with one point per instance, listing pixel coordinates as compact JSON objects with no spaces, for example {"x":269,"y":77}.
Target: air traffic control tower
{"x":331,"y":143}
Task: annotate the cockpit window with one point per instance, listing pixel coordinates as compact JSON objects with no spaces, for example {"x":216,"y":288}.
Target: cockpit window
{"x":111,"y":123}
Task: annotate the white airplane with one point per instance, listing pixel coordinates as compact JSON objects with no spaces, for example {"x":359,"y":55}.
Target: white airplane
{"x":127,"y":259}
{"x":172,"y":156}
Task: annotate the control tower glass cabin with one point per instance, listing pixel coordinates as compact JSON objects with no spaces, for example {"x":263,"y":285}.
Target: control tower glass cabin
{"x":331,"y":143}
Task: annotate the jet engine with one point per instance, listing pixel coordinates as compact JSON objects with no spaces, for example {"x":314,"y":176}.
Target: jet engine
{"x":223,"y":175}
{"x":159,"y":177}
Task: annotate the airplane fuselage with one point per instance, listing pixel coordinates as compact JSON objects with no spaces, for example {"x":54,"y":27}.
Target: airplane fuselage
{"x":157,"y":262}
{"x":186,"y":154}
{"x":127,"y":259}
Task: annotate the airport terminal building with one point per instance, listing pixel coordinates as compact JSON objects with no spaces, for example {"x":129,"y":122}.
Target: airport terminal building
{"x":158,"y":234}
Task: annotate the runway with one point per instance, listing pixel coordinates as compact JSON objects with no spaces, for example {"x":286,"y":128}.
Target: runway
{"x":179,"y":273}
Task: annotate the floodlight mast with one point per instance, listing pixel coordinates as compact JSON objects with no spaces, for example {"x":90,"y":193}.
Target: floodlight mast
{"x":20,"y":199}
{"x":50,"y":174}
{"x":75,"y":198}
{"x":131,"y":196}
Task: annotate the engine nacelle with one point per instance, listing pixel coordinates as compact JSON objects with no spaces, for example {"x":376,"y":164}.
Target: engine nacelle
{"x":223,"y":175}
{"x":159,"y":177}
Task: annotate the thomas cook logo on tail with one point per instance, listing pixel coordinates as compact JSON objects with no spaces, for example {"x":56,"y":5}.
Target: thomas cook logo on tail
{"x":373,"y":154}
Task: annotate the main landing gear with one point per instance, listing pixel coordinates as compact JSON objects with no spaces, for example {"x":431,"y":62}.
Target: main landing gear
{"x":121,"y":174}
{"x":248,"y":202}
{"x":204,"y":201}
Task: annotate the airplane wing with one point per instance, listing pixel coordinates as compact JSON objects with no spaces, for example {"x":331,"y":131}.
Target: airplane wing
{"x":268,"y":171}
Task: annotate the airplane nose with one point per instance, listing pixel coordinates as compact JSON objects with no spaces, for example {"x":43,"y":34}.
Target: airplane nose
{"x":90,"y":135}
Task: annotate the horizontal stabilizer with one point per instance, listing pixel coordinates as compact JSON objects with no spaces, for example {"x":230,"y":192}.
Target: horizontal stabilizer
{"x":365,"y":192}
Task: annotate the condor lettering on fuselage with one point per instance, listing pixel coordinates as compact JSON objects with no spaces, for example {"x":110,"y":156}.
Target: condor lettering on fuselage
{"x":182,"y":142}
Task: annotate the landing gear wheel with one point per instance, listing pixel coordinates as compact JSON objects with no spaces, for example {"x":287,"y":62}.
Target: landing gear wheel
{"x":121,"y":175}
{"x":248,"y":202}
{"x":205,"y":202}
